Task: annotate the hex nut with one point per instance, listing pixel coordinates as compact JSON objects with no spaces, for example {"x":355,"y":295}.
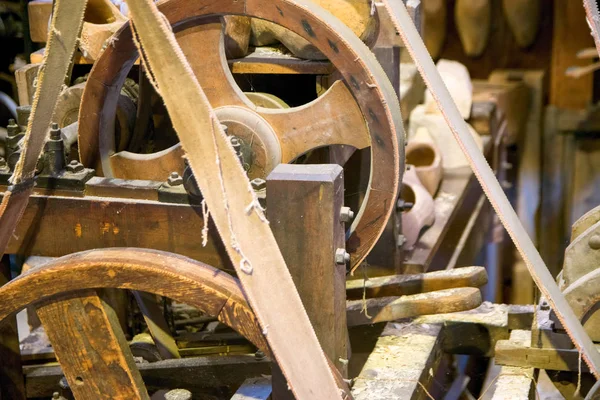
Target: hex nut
{"x":175,"y":179}
{"x":258,"y":184}
{"x":346,"y":214}
{"x":341,"y":257}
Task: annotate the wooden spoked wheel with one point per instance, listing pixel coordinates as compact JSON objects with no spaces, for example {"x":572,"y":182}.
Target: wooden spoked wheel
{"x":212,"y":291}
{"x":361,"y":110}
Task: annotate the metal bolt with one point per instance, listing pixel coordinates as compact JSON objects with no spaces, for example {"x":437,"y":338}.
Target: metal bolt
{"x":178,"y":394}
{"x":594,"y":242}
{"x":544,"y":306}
{"x":175,"y":179}
{"x":346,"y":214}
{"x":341,"y":257}
{"x":258,"y":184}
{"x":2,"y":162}
{"x":259,"y":355}
{"x":55,"y":132}
{"x":75,"y":167}
{"x":400,"y":240}
{"x":55,"y":395}
{"x":236,"y":143}
{"x":404,"y":205}
{"x":12,"y":129}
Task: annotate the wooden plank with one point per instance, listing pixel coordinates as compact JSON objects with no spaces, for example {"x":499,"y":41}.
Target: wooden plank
{"x":99,"y":222}
{"x":25,"y":77}
{"x":570,"y":34}
{"x":273,"y":61}
{"x":200,"y":375}
{"x":304,"y":199}
{"x":12,"y":385}
{"x":402,"y":365}
{"x":517,"y":351}
{"x":91,"y":347}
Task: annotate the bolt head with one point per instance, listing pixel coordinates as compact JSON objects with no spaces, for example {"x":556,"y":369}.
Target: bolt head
{"x":258,"y":184}
{"x":341,"y":257}
{"x":594,"y":242}
{"x":346,"y":214}
{"x":75,"y":167}
{"x":175,"y":179}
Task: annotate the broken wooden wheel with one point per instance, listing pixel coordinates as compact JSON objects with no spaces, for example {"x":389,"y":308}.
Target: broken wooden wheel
{"x":63,"y":292}
{"x":361,"y":110}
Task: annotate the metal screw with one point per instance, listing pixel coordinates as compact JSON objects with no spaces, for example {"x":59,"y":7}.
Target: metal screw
{"x":178,"y":394}
{"x":346,"y":214}
{"x":258,"y":184}
{"x":175,"y":179}
{"x":75,"y":167}
{"x":341,"y":257}
{"x":259,"y":355}
{"x":544,"y":306}
{"x":55,"y":132}
{"x":594,"y":242}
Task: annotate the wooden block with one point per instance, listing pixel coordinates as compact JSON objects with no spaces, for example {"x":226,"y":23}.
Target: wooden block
{"x":39,"y":14}
{"x":12,"y":384}
{"x":91,"y":347}
{"x":402,"y":365}
{"x":515,"y":383}
{"x":570,"y":34}
{"x":304,"y":205}
{"x":25,"y":77}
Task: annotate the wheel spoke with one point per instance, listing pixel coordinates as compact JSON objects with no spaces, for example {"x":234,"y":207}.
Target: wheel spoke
{"x":333,"y":118}
{"x":153,"y":167}
{"x":204,"y":48}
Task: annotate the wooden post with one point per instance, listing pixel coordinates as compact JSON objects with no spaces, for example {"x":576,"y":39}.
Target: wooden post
{"x":12,"y":384}
{"x":91,"y":347}
{"x":304,"y":205}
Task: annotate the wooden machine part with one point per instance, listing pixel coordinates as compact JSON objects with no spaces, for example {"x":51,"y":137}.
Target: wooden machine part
{"x":116,"y":219}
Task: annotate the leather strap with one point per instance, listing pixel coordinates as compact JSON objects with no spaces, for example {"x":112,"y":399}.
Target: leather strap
{"x":491,"y":187}
{"x":235,"y":210}
{"x":67,"y":22}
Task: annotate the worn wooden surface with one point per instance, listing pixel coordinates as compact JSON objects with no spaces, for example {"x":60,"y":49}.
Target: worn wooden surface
{"x":26,"y":77}
{"x":517,"y":351}
{"x":384,"y":309}
{"x":402,"y":285}
{"x":402,"y":364}
{"x":515,"y":383}
{"x":91,"y":347}
{"x":12,"y":384}
{"x":39,"y":14}
{"x":301,"y":198}
{"x":570,"y":34}
{"x":110,"y":70}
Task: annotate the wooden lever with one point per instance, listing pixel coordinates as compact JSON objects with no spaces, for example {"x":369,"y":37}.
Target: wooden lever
{"x":402,"y":285}
{"x":384,"y":309}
